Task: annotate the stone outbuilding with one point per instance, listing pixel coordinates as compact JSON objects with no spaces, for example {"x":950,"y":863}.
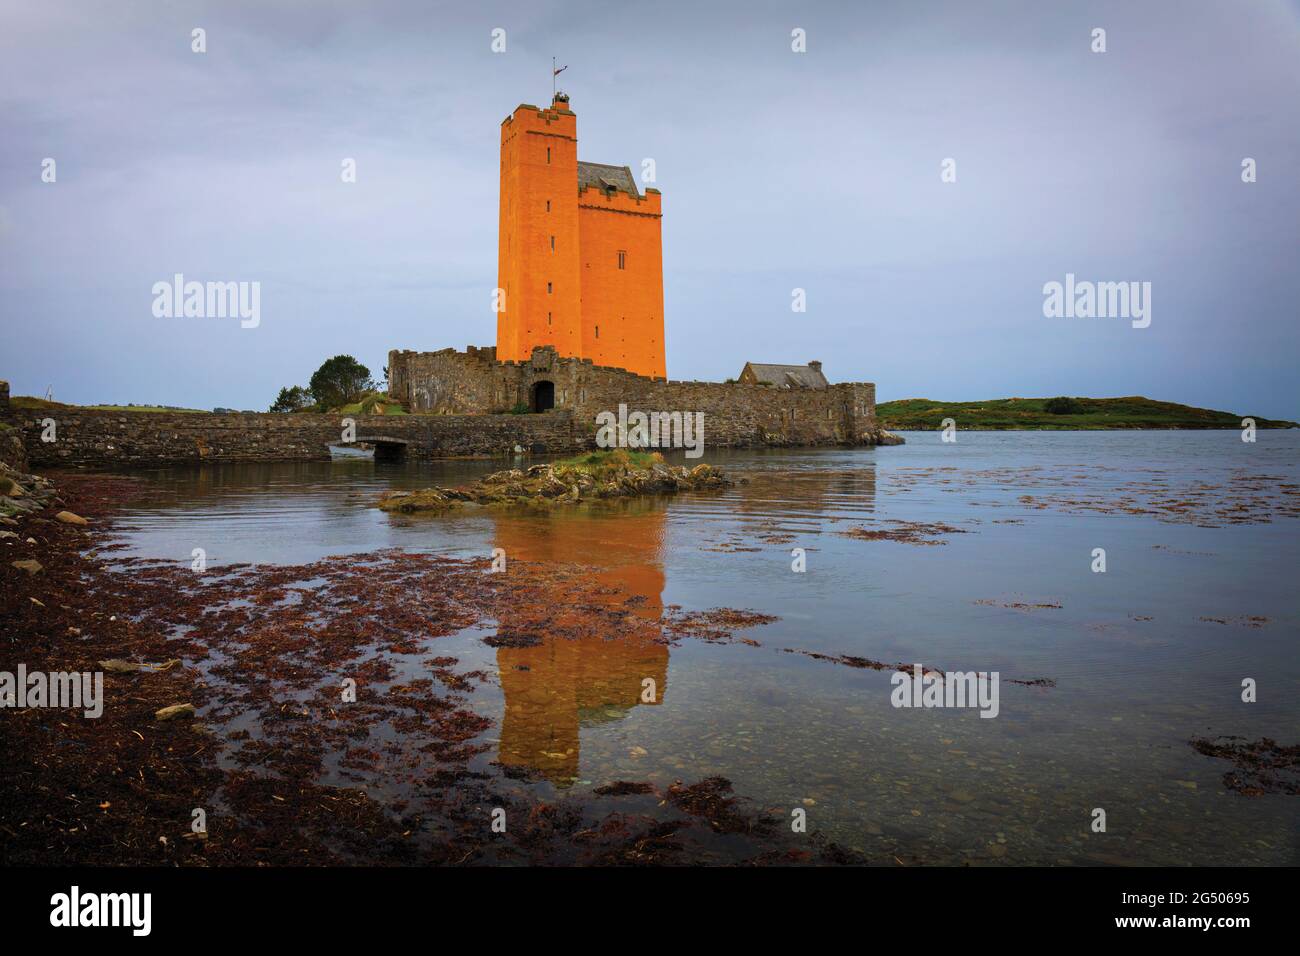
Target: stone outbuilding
{"x":784,"y":376}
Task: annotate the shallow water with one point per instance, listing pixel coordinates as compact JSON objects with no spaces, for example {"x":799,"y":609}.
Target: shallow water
{"x":1199,"y":531}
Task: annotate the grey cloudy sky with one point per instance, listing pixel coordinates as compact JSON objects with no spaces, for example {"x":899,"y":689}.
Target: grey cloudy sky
{"x":779,"y":170}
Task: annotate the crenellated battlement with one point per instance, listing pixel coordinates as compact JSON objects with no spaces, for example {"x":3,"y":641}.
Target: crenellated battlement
{"x":650,"y":204}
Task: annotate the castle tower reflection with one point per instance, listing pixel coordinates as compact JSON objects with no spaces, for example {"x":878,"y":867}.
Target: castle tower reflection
{"x":555,"y":689}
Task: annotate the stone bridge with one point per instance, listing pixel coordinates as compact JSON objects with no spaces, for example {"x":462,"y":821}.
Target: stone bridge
{"x":387,"y":447}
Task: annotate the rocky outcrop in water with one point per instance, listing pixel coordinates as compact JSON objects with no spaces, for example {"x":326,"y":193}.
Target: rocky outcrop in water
{"x":879,"y":436}
{"x":560,"y":483}
{"x":22,"y":494}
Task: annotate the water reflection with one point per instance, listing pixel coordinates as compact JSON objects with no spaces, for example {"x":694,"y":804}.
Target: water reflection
{"x":555,"y":689}
{"x":807,"y":493}
{"x":1141,"y":659}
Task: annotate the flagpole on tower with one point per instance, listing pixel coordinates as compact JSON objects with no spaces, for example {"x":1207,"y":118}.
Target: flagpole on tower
{"x":554,"y":73}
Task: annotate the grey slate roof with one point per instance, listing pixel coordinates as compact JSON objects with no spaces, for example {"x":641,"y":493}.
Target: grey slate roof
{"x":602,"y":177}
{"x":792,"y":376}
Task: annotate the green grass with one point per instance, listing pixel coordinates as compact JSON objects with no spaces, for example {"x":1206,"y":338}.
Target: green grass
{"x":31,"y":403}
{"x":376,"y":403}
{"x":146,"y":408}
{"x":599,"y":464}
{"x":1012,"y":413}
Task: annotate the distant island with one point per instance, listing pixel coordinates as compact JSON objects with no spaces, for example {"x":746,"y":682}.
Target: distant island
{"x":922,"y":414}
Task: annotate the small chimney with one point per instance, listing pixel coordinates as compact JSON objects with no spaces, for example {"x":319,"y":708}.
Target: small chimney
{"x":815,"y":366}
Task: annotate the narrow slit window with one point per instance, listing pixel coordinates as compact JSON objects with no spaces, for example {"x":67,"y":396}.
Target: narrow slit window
{"x":598,"y":331}
{"x":622,"y":259}
{"x":552,"y":243}
{"x":548,"y":288}
{"x":548,"y":154}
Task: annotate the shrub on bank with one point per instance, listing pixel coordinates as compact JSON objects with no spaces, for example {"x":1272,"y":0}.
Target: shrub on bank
{"x":1062,"y":406}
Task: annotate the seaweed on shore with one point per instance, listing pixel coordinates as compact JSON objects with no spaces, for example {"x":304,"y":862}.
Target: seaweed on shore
{"x":1262,"y":766}
{"x":1021,"y":605}
{"x":716,"y":626}
{"x":713,"y":800}
{"x":288,"y":769}
{"x":907,"y":532}
{"x":866,"y":663}
{"x":621,"y":788}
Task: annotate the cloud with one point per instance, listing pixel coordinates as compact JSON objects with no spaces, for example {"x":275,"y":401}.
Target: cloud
{"x":818,"y":170}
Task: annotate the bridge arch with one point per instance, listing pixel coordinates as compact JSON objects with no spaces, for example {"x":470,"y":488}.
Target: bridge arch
{"x":387,"y":447}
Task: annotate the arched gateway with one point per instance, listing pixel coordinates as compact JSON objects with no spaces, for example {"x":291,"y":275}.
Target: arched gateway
{"x":543,"y":396}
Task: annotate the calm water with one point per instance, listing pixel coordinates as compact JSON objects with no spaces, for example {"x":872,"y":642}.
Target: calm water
{"x":1199,"y":531}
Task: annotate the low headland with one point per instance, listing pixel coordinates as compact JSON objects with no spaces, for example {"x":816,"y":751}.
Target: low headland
{"x":1063,"y":413}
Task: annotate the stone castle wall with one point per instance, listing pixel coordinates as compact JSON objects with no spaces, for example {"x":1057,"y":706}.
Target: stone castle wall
{"x":460,"y":400}
{"x":736,"y":415}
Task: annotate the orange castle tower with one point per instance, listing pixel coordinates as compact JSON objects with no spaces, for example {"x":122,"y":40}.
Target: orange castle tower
{"x":580,"y":254}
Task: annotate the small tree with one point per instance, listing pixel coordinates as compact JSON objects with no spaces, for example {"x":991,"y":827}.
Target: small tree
{"x":340,"y":381}
{"x":1062,"y":406}
{"x":291,"y":399}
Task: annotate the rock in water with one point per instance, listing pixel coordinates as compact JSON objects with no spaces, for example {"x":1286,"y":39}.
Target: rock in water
{"x":174,"y":711}
{"x":614,"y":474}
{"x":116,"y":666}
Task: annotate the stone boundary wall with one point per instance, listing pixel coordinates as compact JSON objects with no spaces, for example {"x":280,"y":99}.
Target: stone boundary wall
{"x":13,"y":453}
{"x":143,"y":439}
